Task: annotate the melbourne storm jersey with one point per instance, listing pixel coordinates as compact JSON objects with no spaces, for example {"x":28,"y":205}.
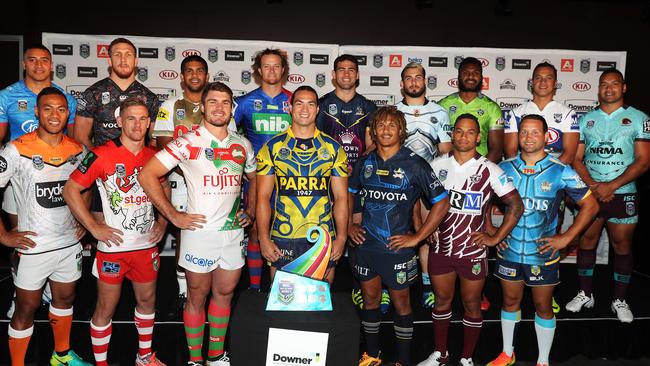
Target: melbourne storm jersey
{"x":38,"y":173}
{"x":470,"y":187}
{"x":609,"y":142}
{"x":17,"y":103}
{"x":302,"y":169}
{"x":125,"y":205}
{"x":101,"y":102}
{"x":559,"y":118}
{"x":262,"y":117}
{"x":388,"y":191}
{"x":426,"y":125}
{"x":487,"y":111}
{"x":540,"y":187}
{"x":177,"y":117}
{"x":346,"y":122}
{"x":213,"y":171}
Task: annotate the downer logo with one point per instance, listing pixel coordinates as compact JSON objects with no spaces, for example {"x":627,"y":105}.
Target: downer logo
{"x":234,"y":56}
{"x":379,"y":81}
{"x":293,"y":359}
{"x":50,"y":194}
{"x":147,"y":52}
{"x":86,"y":72}
{"x":438,"y":61}
{"x":316,"y":59}
{"x":62,"y":49}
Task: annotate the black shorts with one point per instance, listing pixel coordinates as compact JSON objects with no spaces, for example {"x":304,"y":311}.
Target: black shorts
{"x":398,"y":270}
{"x":530,"y":274}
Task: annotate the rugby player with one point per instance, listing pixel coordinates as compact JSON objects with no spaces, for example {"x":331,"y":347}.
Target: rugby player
{"x":213,"y":160}
{"x":612,"y":154}
{"x":126,"y":240}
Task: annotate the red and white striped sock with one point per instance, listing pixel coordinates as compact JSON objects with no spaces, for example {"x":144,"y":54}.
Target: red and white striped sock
{"x":100,"y":338}
{"x":144,"y":324}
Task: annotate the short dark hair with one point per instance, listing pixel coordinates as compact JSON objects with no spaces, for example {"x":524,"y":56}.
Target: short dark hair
{"x":50,"y":90}
{"x":37,"y":46}
{"x":535,"y":117}
{"x":612,"y":70}
{"x":545,"y":64}
{"x":384,"y":113}
{"x":193,"y":58}
{"x":120,"y":40}
{"x":257,"y":62}
{"x":470,"y":61}
{"x":346,"y":57}
{"x":303,"y":88}
{"x":471,"y":117}
{"x":216,"y":86}
{"x":413,"y":65}
{"x":133,"y":101}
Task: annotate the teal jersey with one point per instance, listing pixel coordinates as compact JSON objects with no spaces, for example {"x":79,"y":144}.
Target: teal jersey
{"x":609,"y":142}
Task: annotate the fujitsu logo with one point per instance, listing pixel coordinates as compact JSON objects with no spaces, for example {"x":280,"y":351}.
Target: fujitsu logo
{"x":221,"y":181}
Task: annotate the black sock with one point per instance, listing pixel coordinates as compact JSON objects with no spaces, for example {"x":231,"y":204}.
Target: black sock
{"x":62,"y":354}
{"x":403,"y":333}
{"x":370,"y":319}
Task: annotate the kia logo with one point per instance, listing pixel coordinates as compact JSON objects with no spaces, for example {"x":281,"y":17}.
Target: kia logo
{"x":453,"y":83}
{"x":296,"y":79}
{"x":484,"y":62}
{"x":191,"y":52}
{"x":168,"y":74}
{"x":554,"y":136}
{"x":581,"y":86}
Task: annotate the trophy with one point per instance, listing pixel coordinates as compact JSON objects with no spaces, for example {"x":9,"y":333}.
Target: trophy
{"x":299,"y":285}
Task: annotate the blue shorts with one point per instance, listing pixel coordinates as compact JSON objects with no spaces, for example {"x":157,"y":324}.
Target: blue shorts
{"x":530,"y":274}
{"x":292,"y":249}
{"x":397,"y":270}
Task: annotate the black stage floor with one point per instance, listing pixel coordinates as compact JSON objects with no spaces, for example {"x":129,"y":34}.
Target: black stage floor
{"x":593,"y":337}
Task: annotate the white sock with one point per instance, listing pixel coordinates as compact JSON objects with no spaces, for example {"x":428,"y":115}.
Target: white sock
{"x":509,"y":320}
{"x":182,"y":283}
{"x":545,"y":330}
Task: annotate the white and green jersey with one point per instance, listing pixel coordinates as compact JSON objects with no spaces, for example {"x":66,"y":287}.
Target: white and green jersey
{"x":609,"y":142}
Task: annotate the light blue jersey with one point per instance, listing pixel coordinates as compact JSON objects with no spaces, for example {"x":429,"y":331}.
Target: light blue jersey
{"x":609,"y":142}
{"x":540,"y":187}
{"x":17,"y":104}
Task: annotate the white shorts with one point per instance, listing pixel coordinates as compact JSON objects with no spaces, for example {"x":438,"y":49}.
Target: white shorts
{"x":33,"y":270}
{"x":207,"y":250}
{"x":9,"y":201}
{"x":179,"y":191}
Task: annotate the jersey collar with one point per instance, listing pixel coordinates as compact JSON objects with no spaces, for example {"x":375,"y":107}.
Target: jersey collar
{"x":290,"y":133}
{"x":426,"y":101}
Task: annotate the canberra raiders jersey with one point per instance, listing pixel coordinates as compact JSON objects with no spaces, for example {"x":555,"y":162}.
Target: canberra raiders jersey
{"x":426,"y":125}
{"x":387,"y":191}
{"x":346,"y":122}
{"x":302,"y":169}
{"x":609,"y":142}
{"x":540,"y":187}
{"x":261,"y":117}
{"x":101,"y":102}
{"x":213,"y":171}
{"x":177,"y":117}
{"x":470,"y":187}
{"x":559,"y":118}
{"x":38,"y":172}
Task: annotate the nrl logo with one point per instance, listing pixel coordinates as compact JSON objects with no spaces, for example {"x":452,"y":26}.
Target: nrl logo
{"x":143,"y":73}
{"x":432,"y":82}
{"x":246,"y":77}
{"x":585,"y":65}
{"x":298,"y":58}
{"x":377,"y":61}
{"x":457,"y":61}
{"x":320,"y":80}
{"x":170,"y":53}
{"x":60,"y":71}
{"x":500,"y":63}
{"x":213,"y":54}
{"x":84,"y":50}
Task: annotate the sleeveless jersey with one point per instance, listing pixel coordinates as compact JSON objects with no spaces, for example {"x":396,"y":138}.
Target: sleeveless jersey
{"x":426,"y":125}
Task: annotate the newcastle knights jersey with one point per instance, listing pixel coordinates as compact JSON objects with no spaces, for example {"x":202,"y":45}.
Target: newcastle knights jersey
{"x":426,"y":125}
{"x":346,"y":122}
{"x":470,"y":187}
{"x":388,"y":190}
{"x":101,"y":102}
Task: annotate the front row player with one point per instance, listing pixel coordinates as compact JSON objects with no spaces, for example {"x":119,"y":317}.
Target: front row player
{"x":530,"y":255}
{"x":471,"y":181}
{"x":126,"y":242}
{"x":47,"y":236}
{"x":213,"y":160}
{"x":386,"y":183}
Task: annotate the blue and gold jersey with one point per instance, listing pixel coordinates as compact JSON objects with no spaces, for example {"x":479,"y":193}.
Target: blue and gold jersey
{"x":302,"y":169}
{"x":540,"y":187}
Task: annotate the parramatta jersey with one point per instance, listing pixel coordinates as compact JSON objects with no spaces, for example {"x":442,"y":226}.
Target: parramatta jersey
{"x":125,"y":205}
{"x":38,"y":173}
{"x":262,"y":117}
{"x":540,"y":187}
{"x":101,"y":102}
{"x":426,"y":125}
{"x":487,"y":111}
{"x":346,"y":122}
{"x":470,"y":187}
{"x":388,"y":191}
{"x":177,"y":117}
{"x":17,"y":103}
{"x":609,"y":142}
{"x":302,"y":169}
{"x":559,"y":118}
{"x":213,"y":171}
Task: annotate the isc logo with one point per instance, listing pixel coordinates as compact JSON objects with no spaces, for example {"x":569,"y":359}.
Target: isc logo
{"x":468,"y":202}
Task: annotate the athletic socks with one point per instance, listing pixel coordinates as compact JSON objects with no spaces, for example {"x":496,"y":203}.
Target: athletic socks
{"x":586,"y":261}
{"x":100,"y":338}
{"x":144,"y":324}
{"x":61,"y":323}
{"x":545,"y":330}
{"x":370,"y":320}
{"x":182,"y":283}
{"x":471,"y":332}
{"x":18,"y":343}
{"x":254,"y":262}
{"x":441,"y":320}
{"x":623,"y":267}
{"x":194,"y":325}
{"x":509,"y":321}
{"x":218,"y":319}
{"x":404,"y":333}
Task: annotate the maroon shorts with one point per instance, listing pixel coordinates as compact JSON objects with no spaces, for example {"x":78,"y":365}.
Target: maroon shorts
{"x":139,"y":266}
{"x":469,"y":269}
{"x":623,"y":206}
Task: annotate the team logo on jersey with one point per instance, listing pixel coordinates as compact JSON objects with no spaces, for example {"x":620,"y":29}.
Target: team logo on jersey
{"x":156,"y":264}
{"x":72,"y":159}
{"x":106,"y":97}
{"x":37,"y":161}
{"x":284,"y":152}
{"x":400,"y":277}
{"x":84,"y":50}
{"x":398,"y":173}
{"x":170,"y":53}
{"x":629,"y":208}
{"x":442,"y":174}
{"x":213,"y":54}
{"x":143,"y":73}
{"x":557,"y":117}
{"x":585,"y":65}
{"x":367,"y":171}
{"x":209,"y":153}
{"x":358,"y":111}
{"x":432,"y":82}
{"x":320,"y":80}
{"x":286,"y":291}
{"x":246,"y":77}
{"x":324,"y":154}
{"x":476,"y":269}
{"x":285,"y":106}
{"x":626,"y":122}
{"x":475,"y":178}
{"x":180,"y":114}
{"x":590,"y":124}
{"x":500,"y":64}
{"x":535,"y":270}
{"x":457,"y":61}
{"x":332,"y":109}
{"x":257,"y":104}
{"x":546,"y":186}
{"x":22,"y":105}
{"x":377,"y":61}
{"x":298,"y":58}
{"x":120,"y":170}
{"x":433,"y":120}
{"x":60,"y":71}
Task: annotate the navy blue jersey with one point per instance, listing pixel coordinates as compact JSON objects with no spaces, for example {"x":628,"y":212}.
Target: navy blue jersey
{"x":388,"y":191}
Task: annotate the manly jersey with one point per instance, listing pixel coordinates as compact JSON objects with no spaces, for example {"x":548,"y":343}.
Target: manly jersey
{"x":177,"y":117}
{"x":213,"y":171}
{"x":488,"y":114}
{"x":559,"y":118}
{"x":388,"y":190}
{"x":262,"y":117}
{"x":17,"y":103}
{"x":426,"y":125}
{"x":470,"y":187}
{"x":302,"y":169}
{"x":609,"y":142}
{"x":38,"y":172}
{"x":346,"y":122}
{"x":125,"y":205}
{"x":540,"y":187}
{"x":101,"y":102}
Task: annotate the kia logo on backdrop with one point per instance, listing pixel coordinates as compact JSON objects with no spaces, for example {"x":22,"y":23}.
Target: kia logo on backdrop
{"x":484,"y":62}
{"x":168,"y":74}
{"x":191,"y":52}
{"x":453,"y":83}
{"x":581,"y":86}
{"x":296,"y":79}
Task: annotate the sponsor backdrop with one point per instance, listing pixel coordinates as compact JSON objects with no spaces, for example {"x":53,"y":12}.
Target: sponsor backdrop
{"x":81,"y":60}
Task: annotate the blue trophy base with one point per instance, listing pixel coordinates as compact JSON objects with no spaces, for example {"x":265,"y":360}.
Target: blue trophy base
{"x":292,"y":292}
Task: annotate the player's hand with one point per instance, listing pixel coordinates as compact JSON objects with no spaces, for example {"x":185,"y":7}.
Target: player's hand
{"x":270,"y":251}
{"x":187,"y":221}
{"x":396,"y":242}
{"x":484,"y":239}
{"x":502,"y":246}
{"x":244,"y":218}
{"x":107,"y":234}
{"x":357,"y":233}
{"x":554,"y":243}
{"x":338,"y":247}
{"x":158,"y":230}
{"x":18,"y":239}
{"x":604,"y":191}
{"x":79,"y":231}
{"x":433,"y":238}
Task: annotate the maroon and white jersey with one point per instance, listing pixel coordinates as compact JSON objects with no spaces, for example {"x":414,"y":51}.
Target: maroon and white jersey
{"x":470,"y":187}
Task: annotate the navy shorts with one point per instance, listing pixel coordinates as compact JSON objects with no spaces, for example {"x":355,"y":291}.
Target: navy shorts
{"x":398,"y":270}
{"x":530,"y":274}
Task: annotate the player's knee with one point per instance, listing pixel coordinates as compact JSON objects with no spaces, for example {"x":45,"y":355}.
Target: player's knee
{"x":544,"y":309}
{"x":622,"y":247}
{"x":472,"y":304}
{"x":511,"y":302}
{"x":443,"y":301}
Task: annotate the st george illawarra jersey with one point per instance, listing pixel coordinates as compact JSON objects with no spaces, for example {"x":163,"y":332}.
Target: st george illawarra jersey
{"x":470,"y":187}
{"x":38,"y":172}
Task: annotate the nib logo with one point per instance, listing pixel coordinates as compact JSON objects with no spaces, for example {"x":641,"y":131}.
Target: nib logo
{"x":270,"y":124}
